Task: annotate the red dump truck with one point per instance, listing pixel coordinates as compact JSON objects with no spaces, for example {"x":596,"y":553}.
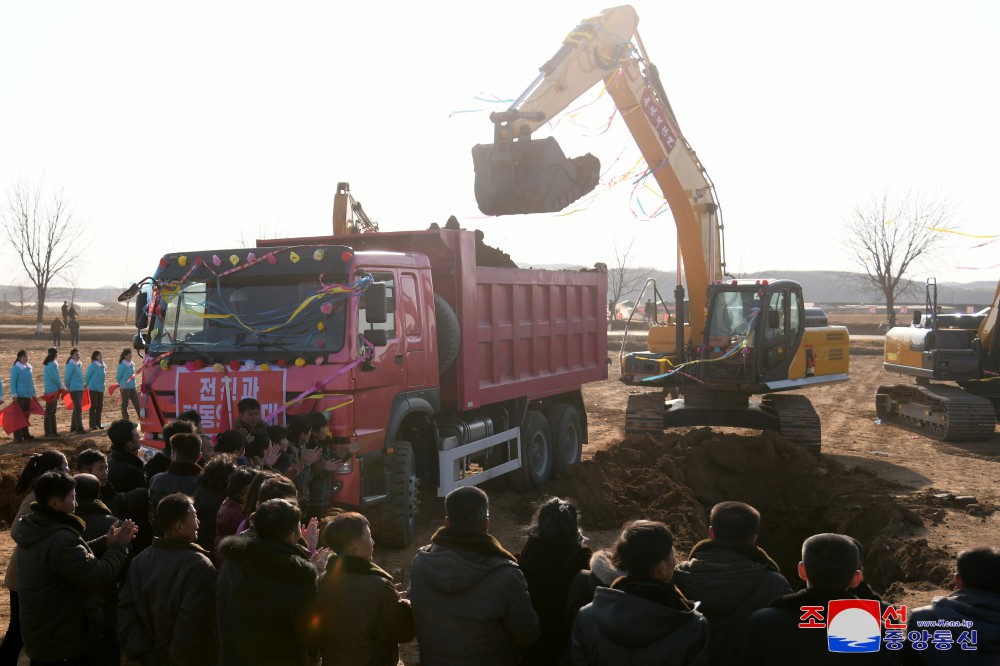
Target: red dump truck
{"x":430,"y":365}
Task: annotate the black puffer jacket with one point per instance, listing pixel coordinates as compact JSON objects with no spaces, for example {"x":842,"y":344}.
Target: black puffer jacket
{"x":730,"y":581}
{"x":470,"y":601}
{"x":550,"y":569}
{"x":59,"y":582}
{"x":980,"y":608}
{"x":125,"y":471}
{"x":266,"y":596}
{"x":639,"y":621}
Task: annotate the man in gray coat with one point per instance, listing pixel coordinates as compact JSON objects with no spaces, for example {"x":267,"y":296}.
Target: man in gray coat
{"x":730,"y":576}
{"x":470,"y":600}
{"x":60,"y":577}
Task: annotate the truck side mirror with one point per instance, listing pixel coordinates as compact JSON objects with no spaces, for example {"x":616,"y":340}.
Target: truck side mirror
{"x":141,"y":316}
{"x":376,"y":336}
{"x":138,"y":342}
{"x":917,"y":315}
{"x":375,"y":306}
{"x":773,"y":319}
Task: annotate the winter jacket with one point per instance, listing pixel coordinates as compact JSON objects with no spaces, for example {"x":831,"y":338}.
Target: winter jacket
{"x":10,"y":577}
{"x":97,"y":516}
{"x":73,"y":376}
{"x":470,"y":601}
{"x":602,"y":573}
{"x":21,"y":383}
{"x":125,"y":375}
{"x":125,"y":471}
{"x":773,"y":635}
{"x":981,"y":608}
{"x":639,"y":621}
{"x":94,"y":379}
{"x":207,"y":503}
{"x":228,"y":520}
{"x":156,"y":465}
{"x":51,"y":378}
{"x":180,"y":477}
{"x":362,"y":617}
{"x":320,"y":481}
{"x":266,"y":597}
{"x":550,"y":569}
{"x":166,"y":615}
{"x":59,"y":584}
{"x":730,"y":581}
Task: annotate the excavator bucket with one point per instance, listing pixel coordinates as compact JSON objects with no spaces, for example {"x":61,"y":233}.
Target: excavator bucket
{"x":530,"y":176}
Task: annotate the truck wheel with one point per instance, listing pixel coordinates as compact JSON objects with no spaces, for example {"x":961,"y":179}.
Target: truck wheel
{"x":449,"y":333}
{"x":567,"y":437}
{"x":397,"y":517}
{"x":536,"y":454}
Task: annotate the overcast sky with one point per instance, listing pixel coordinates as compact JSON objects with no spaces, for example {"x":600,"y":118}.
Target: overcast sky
{"x":187,"y":126}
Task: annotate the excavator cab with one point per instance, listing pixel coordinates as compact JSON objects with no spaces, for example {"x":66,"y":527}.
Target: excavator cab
{"x":522,"y":175}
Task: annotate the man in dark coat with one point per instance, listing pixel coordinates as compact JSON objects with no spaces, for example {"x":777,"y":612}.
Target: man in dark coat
{"x":974,"y":605}
{"x":362,"y":616}
{"x":470,"y":600}
{"x":161,"y":460}
{"x":182,"y":474}
{"x":830,"y":567}
{"x":60,"y":577}
{"x":124,"y":466}
{"x":730,"y":577}
{"x":167,"y":609}
{"x":642,"y":618}
{"x":266,"y":592}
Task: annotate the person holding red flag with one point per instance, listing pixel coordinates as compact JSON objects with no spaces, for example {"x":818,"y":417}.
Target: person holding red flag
{"x":53,"y":387}
{"x":22,"y":389}
{"x":73,"y":379}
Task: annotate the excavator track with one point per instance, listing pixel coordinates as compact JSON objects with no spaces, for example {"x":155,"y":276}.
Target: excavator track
{"x":946,"y":413}
{"x":797,"y":419}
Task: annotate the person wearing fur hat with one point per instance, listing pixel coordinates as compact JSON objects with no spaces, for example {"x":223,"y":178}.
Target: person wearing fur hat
{"x":602,"y":572}
{"x":730,"y":576}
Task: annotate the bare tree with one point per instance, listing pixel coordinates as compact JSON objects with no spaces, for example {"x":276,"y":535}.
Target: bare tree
{"x":622,"y":278}
{"x":46,"y":237}
{"x":888,"y":235}
{"x":22,"y":293}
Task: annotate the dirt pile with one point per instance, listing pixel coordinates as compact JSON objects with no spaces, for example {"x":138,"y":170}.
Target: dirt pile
{"x":677,"y":477}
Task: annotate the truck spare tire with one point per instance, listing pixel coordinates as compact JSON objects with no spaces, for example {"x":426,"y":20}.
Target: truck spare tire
{"x":449,"y":334}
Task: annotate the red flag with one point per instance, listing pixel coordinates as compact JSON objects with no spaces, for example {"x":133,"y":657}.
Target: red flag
{"x":68,"y":400}
{"x":36,"y":407}
{"x":12,"y":418}
{"x":112,"y":388}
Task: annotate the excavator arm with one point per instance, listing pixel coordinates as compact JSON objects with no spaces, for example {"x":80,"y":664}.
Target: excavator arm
{"x":517,"y":174}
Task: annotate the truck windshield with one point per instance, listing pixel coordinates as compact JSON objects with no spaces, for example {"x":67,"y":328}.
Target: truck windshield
{"x":249,"y":317}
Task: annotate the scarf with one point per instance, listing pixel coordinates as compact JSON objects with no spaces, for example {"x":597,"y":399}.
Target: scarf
{"x":751,"y":551}
{"x":22,"y":366}
{"x":75,"y":362}
{"x":98,"y":363}
{"x":480,"y":542}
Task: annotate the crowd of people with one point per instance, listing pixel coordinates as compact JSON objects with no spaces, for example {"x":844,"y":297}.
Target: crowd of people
{"x":229,"y":555}
{"x":82,"y":386}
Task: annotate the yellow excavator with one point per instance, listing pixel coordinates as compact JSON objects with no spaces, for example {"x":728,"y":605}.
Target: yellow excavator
{"x":737,"y":338}
{"x":962,"y":350}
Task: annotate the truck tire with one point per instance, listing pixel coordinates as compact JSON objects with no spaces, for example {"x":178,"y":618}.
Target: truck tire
{"x":397,"y":516}
{"x":449,"y":333}
{"x":567,"y":437}
{"x":536,"y":454}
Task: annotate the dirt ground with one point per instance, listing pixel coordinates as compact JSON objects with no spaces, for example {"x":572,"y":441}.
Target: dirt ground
{"x":913,"y":502}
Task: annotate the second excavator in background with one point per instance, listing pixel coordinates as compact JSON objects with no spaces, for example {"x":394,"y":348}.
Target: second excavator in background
{"x":737,"y":338}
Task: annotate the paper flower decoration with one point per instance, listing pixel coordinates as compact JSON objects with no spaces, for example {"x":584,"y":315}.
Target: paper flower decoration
{"x":318,"y":360}
{"x":321,"y":343}
{"x":326,"y":308}
{"x":163,"y":262}
{"x":216,"y":260}
{"x":197,"y":261}
{"x":233,"y":259}
{"x":217,"y":367}
{"x":346,"y":255}
{"x":164,"y":364}
{"x":318,"y":255}
{"x":189,"y":366}
{"x":282,"y":363}
{"x":251,"y":257}
{"x":271,"y":259}
{"x":234,"y":365}
{"x":199,"y":364}
{"x":320,"y":326}
{"x":249,"y":364}
{"x":293,"y":257}
{"x":300,"y":362}
{"x":182,"y":260}
{"x":264,"y":367}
